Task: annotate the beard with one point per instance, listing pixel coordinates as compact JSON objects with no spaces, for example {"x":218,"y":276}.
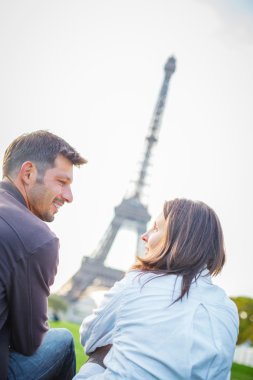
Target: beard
{"x":40,"y":201}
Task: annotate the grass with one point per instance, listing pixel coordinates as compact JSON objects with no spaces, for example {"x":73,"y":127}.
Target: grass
{"x":239,"y":372}
{"x":74,"y":328}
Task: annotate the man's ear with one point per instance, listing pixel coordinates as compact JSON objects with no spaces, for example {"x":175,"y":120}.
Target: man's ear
{"x":27,"y":172}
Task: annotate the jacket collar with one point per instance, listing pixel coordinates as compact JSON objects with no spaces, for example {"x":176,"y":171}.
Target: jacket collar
{"x":13,"y":190}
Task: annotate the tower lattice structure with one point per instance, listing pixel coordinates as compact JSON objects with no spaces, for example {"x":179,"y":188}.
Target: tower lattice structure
{"x":131,"y":211}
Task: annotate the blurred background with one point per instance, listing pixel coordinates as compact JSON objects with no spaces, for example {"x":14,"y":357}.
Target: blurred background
{"x":91,"y":70}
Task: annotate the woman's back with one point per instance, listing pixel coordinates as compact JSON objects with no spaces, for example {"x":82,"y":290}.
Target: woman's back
{"x":152,"y":338}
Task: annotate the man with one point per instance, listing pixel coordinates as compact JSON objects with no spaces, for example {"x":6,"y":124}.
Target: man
{"x":37,"y":177}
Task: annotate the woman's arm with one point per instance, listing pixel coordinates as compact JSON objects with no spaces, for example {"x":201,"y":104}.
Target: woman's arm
{"x":97,"y":329}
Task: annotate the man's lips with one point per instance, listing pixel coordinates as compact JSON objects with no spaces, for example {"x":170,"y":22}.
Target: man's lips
{"x":58,"y":203}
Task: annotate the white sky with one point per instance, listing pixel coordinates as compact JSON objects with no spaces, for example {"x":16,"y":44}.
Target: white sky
{"x":91,"y":70}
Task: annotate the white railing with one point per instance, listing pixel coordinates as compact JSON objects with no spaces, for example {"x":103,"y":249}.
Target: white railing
{"x":244,"y":355}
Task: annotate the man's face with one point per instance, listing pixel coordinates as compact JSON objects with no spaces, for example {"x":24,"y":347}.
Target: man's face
{"x":47,"y":197}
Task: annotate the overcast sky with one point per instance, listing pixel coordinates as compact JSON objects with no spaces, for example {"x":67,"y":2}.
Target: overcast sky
{"x":91,"y":70}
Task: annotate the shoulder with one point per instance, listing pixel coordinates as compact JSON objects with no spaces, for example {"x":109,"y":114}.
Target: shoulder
{"x":214,"y":299}
{"x":17,"y":222}
{"x":217,"y":314}
{"x":147,"y":281}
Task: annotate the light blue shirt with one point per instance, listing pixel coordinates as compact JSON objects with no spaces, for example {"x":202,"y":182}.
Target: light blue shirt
{"x":152,"y":339}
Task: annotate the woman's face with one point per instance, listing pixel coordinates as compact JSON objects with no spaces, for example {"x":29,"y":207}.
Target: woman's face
{"x":155,"y":237}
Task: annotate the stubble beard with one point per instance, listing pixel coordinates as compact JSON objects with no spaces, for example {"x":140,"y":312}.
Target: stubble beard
{"x":38,"y":193}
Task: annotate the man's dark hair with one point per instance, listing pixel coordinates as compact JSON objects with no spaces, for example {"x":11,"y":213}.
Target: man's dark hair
{"x":40,"y":147}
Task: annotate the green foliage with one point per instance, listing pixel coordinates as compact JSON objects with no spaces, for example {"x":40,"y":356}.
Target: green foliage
{"x":57,"y":303}
{"x":241,"y":372}
{"x":245,"y":308}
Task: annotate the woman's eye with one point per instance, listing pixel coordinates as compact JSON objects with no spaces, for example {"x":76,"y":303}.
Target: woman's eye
{"x":155,"y":228}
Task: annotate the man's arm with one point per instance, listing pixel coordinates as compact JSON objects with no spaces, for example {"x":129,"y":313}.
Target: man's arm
{"x":31,"y":280}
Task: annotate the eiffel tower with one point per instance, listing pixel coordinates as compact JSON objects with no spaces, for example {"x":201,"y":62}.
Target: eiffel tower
{"x":131,"y":212}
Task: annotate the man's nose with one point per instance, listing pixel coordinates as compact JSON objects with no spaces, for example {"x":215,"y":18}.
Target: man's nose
{"x":67,"y":194}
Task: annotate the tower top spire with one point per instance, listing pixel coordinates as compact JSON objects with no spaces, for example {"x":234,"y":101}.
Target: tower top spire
{"x":170,"y":66}
{"x":154,"y":128}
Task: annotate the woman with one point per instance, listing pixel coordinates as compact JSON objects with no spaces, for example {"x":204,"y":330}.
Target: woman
{"x":165,"y":319}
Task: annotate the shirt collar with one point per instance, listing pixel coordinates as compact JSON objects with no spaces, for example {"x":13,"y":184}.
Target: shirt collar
{"x":12,"y":190}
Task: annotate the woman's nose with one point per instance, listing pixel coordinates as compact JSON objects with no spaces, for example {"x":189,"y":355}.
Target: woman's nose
{"x":144,"y":237}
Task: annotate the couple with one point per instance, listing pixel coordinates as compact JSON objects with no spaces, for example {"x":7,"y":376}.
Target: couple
{"x":164,"y":320}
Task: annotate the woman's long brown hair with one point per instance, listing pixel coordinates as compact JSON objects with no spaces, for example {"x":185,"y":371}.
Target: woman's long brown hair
{"x":194,"y":241}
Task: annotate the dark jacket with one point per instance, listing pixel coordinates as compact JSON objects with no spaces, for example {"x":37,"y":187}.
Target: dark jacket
{"x":28,"y":264}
